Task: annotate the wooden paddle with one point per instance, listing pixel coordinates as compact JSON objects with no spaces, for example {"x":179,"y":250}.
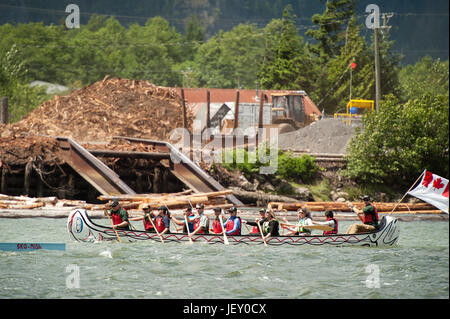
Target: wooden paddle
{"x":154,"y":227}
{"x":262,"y":235}
{"x":319,"y":227}
{"x":187,"y":227}
{"x":112,"y":225}
{"x":225,"y":239}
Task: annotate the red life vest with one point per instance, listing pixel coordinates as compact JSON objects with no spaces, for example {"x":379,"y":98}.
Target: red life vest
{"x":197,"y":225}
{"x":230,"y":226}
{"x":369,"y":218}
{"x":116,"y":219}
{"x":217,"y":229}
{"x":159,"y":225}
{"x":255,"y":229}
{"x":147,"y":223}
{"x":335,"y":230}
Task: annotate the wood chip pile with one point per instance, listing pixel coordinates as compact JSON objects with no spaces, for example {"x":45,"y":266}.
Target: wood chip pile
{"x":111,"y":107}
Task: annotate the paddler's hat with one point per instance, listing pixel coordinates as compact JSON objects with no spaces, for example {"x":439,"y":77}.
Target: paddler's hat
{"x":146,"y":207}
{"x":162,"y":208}
{"x":366,"y":198}
{"x":114,"y":203}
{"x":262,"y":211}
{"x":232,"y":209}
{"x":217,"y":209}
{"x":199,"y":206}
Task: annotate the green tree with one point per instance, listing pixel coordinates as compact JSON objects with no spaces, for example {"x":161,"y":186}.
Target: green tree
{"x":401,"y":140}
{"x":284,"y":61}
{"x":227,"y":59}
{"x":426,"y":76}
{"x":330,"y":34}
{"x":21,"y":97}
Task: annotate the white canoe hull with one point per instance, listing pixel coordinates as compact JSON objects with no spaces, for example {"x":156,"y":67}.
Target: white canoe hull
{"x":82,"y":228}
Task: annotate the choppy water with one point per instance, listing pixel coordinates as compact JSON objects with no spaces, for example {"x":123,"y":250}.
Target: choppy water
{"x":416,"y":268}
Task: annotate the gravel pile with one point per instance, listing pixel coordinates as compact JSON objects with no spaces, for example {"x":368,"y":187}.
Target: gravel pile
{"x":324,"y":136}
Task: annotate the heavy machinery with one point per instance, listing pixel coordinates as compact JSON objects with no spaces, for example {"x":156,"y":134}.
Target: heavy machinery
{"x":288,"y":112}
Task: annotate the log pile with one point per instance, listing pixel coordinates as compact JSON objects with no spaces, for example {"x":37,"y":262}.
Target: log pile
{"x":129,"y":202}
{"x":173,"y":200}
{"x":111,"y":107}
{"x":402,"y":208}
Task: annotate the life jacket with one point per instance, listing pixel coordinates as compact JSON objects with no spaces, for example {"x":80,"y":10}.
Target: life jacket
{"x":300,"y":229}
{"x":335,"y":230}
{"x":159,"y":225}
{"x":191,"y":225}
{"x":371,"y":219}
{"x":147,"y":223}
{"x":116,"y":219}
{"x":230,"y":226}
{"x":197,"y":225}
{"x":255,"y":229}
{"x":217,"y":229}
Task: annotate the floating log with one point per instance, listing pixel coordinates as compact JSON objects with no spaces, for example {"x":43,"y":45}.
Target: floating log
{"x":343,"y":207}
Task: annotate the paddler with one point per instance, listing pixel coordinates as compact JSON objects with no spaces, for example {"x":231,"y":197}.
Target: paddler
{"x":233,"y":224}
{"x":216,"y":227}
{"x":118,"y":215}
{"x":201,"y":221}
{"x":148,"y":226}
{"x":162,"y":220}
{"x":270,"y":227}
{"x":261,"y":219}
{"x":189,"y":216}
{"x":368,"y":215}
{"x":331,"y":221}
{"x":304,"y":219}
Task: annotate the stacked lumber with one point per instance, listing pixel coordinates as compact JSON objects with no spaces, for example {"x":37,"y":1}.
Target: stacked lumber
{"x":173,"y":200}
{"x":382,"y":207}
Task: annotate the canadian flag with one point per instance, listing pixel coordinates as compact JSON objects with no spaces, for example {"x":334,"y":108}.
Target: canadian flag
{"x":432,"y":189}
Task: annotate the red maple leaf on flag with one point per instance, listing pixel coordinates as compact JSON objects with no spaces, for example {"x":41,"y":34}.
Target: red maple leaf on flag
{"x":427,"y":179}
{"x":437,"y":183}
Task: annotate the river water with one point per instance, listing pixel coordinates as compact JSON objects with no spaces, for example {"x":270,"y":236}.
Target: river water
{"x":418,"y":267}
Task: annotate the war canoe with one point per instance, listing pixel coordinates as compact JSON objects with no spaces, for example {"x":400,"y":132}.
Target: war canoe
{"x":82,"y":228}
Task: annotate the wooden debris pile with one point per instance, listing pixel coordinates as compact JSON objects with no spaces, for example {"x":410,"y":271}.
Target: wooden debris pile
{"x":111,"y":107}
{"x":18,"y":151}
{"x":402,"y":208}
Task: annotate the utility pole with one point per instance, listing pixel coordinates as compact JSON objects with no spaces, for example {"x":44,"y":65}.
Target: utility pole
{"x":386,"y":17}
{"x":377,"y":70}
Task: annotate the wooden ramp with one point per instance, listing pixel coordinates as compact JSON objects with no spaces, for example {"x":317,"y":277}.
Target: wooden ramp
{"x":105,"y":180}
{"x":186,"y":170}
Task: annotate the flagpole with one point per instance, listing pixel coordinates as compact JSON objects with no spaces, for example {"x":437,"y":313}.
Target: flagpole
{"x":408,"y":191}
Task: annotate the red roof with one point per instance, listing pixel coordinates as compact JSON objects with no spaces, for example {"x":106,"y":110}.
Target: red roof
{"x":198,"y":95}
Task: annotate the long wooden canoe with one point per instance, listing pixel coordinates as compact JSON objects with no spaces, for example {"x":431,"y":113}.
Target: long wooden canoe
{"x":82,"y":228}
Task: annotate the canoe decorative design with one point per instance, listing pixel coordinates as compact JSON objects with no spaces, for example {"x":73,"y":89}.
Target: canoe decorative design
{"x":82,"y":228}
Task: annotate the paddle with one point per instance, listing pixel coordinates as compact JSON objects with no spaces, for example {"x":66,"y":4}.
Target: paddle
{"x":187,"y":227}
{"x":225,"y":239}
{"x":112,"y":225}
{"x":154,"y":227}
{"x":319,"y":227}
{"x":262,"y":235}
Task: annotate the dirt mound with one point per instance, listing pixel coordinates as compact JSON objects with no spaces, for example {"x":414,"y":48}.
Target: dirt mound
{"x":111,"y":107}
{"x":324,"y":136}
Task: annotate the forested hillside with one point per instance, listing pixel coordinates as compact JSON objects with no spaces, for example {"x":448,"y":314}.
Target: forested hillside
{"x":418,"y":26}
